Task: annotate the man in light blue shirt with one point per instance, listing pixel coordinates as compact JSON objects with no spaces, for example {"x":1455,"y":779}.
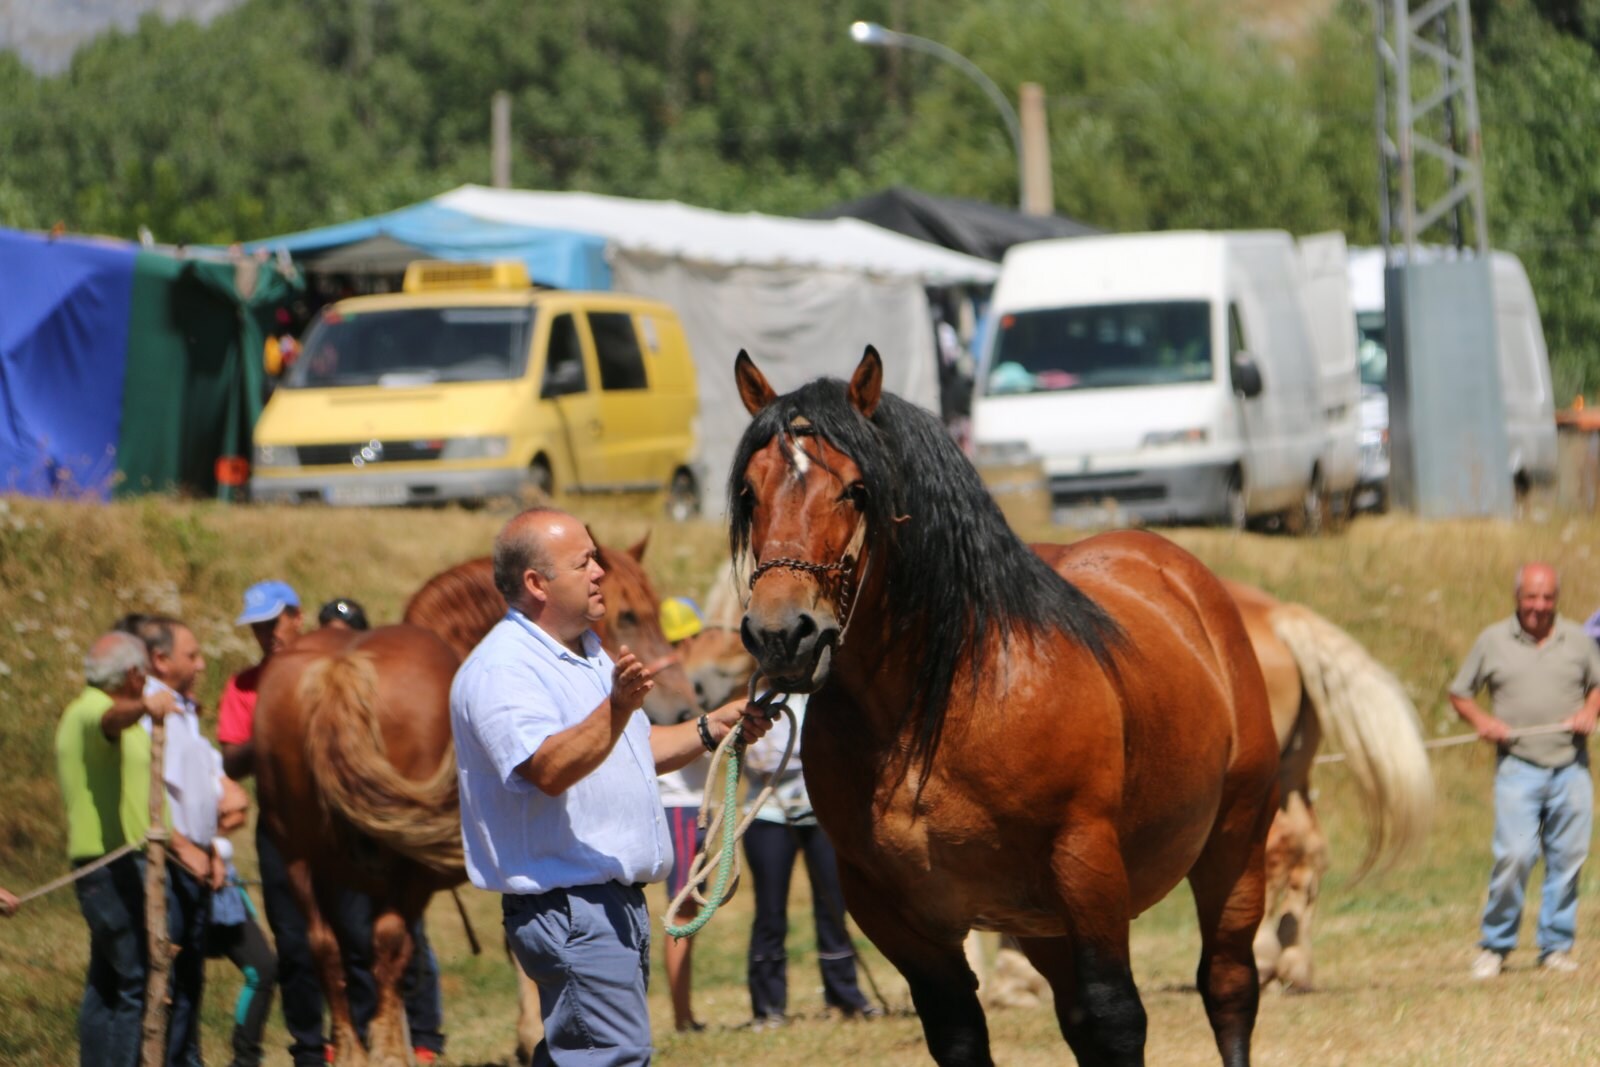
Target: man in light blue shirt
{"x":560,"y":811}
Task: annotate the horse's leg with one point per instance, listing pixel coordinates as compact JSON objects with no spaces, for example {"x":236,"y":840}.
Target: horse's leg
{"x":1297,"y":856}
{"x":1303,"y":882}
{"x":318,"y":902}
{"x":1097,"y":1004}
{"x":1229,"y":883}
{"x":943,"y":988}
{"x":388,"y":1040}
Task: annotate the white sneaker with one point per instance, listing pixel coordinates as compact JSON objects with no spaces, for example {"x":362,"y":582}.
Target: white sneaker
{"x":1488,"y":964}
{"x":1560,"y":962}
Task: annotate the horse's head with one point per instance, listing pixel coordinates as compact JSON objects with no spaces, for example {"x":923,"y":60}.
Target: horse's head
{"x":805,"y":494}
{"x":633,"y":618}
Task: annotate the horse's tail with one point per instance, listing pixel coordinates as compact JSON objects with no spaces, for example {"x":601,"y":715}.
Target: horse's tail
{"x":355,"y":780}
{"x":1366,"y":712}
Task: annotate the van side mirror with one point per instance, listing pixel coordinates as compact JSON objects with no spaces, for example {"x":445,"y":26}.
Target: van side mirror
{"x":562,"y":379}
{"x":1246,"y":375}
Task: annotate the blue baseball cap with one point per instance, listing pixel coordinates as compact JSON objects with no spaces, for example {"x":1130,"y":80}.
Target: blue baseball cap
{"x":265,"y":601}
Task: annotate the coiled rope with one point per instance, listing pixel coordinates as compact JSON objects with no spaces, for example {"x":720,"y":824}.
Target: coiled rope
{"x":718,"y":861}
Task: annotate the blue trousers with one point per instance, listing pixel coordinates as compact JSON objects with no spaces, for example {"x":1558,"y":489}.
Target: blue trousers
{"x":588,"y":948}
{"x":1538,"y":810}
{"x":112,"y":902}
{"x":770,"y":850}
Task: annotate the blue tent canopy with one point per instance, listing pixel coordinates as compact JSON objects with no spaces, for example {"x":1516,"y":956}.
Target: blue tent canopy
{"x":558,"y":258}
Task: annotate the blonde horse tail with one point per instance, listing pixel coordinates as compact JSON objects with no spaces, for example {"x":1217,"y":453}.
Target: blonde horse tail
{"x":1365,"y":711}
{"x":354,"y":778}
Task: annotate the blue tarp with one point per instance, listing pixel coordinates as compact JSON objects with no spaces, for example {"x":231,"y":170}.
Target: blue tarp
{"x":64,"y":314}
{"x":559,"y":258}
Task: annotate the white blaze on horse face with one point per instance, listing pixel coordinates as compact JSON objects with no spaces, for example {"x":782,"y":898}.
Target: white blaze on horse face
{"x":802,"y":460}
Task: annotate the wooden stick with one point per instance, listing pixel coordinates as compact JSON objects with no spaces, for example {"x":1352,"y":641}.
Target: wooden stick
{"x":153,"y":1052}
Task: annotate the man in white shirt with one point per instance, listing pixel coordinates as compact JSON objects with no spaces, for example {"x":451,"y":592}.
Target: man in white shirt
{"x":560,"y":811}
{"x":192,"y":769}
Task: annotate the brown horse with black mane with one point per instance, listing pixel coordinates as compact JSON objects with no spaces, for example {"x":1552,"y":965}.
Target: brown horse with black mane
{"x":1040,"y":744}
{"x":357,"y":775}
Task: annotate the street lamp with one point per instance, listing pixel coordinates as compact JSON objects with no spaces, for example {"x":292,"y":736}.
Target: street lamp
{"x":870,"y":33}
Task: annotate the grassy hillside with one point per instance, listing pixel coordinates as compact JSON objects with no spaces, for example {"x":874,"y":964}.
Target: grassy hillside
{"x":1392,"y":951}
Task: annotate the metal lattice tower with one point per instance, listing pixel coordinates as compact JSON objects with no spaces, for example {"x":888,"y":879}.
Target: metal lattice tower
{"x":1430,"y":154}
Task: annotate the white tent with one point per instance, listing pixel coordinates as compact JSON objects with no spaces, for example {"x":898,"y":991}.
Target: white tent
{"x":802,"y":296}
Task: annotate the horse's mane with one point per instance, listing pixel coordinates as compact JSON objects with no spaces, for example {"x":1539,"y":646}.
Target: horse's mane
{"x":957,"y":574}
{"x":461,"y":604}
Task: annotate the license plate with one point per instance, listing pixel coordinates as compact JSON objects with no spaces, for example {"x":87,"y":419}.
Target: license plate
{"x":365,"y":495}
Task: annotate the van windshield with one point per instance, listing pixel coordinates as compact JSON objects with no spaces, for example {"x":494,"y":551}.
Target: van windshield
{"x":1101,"y":347}
{"x":414,"y":346}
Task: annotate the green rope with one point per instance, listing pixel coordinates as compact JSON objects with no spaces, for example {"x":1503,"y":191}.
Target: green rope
{"x":730,"y":839}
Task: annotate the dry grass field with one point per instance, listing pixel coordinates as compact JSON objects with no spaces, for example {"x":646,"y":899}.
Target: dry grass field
{"x":1392,"y":950}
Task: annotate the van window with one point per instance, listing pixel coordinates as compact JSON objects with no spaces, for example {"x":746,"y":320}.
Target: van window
{"x":414,"y":346}
{"x":617,"y":346}
{"x":563,"y":360}
{"x":1102,"y":346}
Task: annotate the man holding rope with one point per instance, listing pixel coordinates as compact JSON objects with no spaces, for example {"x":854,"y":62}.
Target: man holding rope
{"x":1543,"y":675}
{"x":559,"y":806}
{"x":103,"y":760}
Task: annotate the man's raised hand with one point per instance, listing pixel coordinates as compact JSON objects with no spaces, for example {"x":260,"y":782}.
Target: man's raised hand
{"x":629,"y":684}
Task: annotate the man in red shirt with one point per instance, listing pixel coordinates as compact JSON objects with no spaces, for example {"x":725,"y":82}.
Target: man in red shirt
{"x":272,"y":611}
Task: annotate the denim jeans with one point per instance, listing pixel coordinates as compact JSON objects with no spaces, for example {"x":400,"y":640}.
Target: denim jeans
{"x":112,"y":901}
{"x":1538,"y":810}
{"x":188,"y":915}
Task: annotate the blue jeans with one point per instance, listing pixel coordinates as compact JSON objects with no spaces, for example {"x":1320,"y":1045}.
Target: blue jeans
{"x":588,"y":948}
{"x":112,"y":901}
{"x":1538,"y":810}
{"x":188,"y":912}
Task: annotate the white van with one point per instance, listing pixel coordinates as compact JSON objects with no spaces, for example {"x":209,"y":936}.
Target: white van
{"x":1168,"y":377}
{"x":1524,"y":373}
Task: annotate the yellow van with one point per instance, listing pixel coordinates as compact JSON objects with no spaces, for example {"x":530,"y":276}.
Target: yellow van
{"x":471,"y":384}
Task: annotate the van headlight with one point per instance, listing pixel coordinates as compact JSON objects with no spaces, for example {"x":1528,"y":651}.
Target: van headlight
{"x":1194,"y":436}
{"x":280,"y":457}
{"x":474,"y":448}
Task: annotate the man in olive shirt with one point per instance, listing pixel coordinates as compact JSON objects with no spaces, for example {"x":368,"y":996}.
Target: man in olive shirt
{"x":104,"y":768}
{"x":1541,"y":670}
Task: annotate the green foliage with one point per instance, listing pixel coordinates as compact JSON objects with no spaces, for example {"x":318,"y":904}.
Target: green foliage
{"x":287,"y":114}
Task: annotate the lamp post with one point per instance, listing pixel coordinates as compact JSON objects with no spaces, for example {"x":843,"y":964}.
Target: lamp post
{"x":870,"y":33}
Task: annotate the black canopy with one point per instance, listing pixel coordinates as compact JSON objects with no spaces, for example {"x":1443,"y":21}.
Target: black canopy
{"x":969,"y":226}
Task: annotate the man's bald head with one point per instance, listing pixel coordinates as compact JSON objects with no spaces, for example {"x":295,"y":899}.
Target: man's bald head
{"x":522,"y":546}
{"x":1537,"y":591}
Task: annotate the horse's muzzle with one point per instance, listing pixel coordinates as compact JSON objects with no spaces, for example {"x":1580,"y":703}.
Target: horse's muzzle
{"x":795,"y":655}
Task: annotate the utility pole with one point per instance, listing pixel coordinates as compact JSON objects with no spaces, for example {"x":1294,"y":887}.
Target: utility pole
{"x":500,"y":140}
{"x":1038,"y":195}
{"x":1448,"y":451}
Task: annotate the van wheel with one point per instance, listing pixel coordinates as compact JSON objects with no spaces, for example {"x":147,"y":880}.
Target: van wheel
{"x":683,"y":497}
{"x":1236,"y":517}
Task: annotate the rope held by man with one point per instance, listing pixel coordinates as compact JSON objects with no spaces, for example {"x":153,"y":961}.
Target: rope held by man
{"x":718,"y":862}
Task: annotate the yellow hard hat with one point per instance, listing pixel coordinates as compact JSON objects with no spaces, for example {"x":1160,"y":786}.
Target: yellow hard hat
{"x":680,"y":619}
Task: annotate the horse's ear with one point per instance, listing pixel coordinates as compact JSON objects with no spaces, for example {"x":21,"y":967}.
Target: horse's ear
{"x":754,"y":389}
{"x":866,"y":384}
{"x":637,"y":550}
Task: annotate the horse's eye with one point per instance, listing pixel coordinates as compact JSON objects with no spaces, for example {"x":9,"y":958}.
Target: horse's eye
{"x":628,"y":618}
{"x":747,"y":493}
{"x":855,"y":493}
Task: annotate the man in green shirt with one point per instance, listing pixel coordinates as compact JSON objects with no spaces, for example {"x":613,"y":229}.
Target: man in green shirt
{"x":104,"y":769}
{"x":1543,"y":674}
